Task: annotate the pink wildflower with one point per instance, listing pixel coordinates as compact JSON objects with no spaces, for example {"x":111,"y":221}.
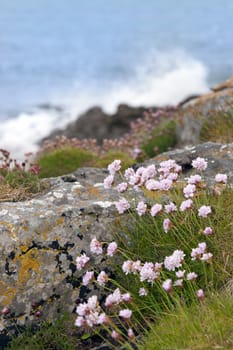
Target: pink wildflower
{"x":114,"y":166}
{"x":200,"y":294}
{"x":152,"y":185}
{"x":115,"y":335}
{"x":126,"y":297}
{"x":108,"y":181}
{"x":167,"y":224}
{"x":129,"y":173}
{"x":189,"y":190}
{"x":87,"y":277}
{"x":204,"y":211}
{"x":122,"y":187}
{"x":180,"y":273}
{"x":112,"y":248}
{"x":102,"y":278}
{"x":207,"y":257}
{"x":194,"y":179}
{"x":126,"y":313}
{"x":141,"y":208}
{"x":81,"y":261}
{"x":167,"y":285}
{"x":174,"y":261}
{"x":165,"y":184}
{"x":113,"y":298}
{"x":186,"y":204}
{"x":96,"y":246}
{"x":169,"y":208}
{"x":148,"y":273}
{"x":142,"y":292}
{"x":122,"y":205}
{"x":208,"y":231}
{"x":131,"y":334}
{"x":199,"y":163}
{"x":178,"y":283}
{"x":222,"y":178}
{"x":156,"y":209}
{"x":191,"y":276}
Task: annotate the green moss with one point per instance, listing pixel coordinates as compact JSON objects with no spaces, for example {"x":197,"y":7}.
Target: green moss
{"x":218,"y":127}
{"x":63,"y":161}
{"x":206,"y":326}
{"x":162,"y":138}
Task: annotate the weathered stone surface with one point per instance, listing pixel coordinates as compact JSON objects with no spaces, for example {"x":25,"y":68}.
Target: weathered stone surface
{"x":41,"y":238}
{"x":192,"y":114}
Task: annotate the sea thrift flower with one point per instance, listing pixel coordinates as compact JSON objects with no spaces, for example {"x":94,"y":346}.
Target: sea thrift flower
{"x":115,"y":335}
{"x":148,"y":273}
{"x":174,"y":261}
{"x":152,"y":185}
{"x":208,"y":231}
{"x":167,"y":224}
{"x":200,"y":294}
{"x":207,"y":257}
{"x":122,"y":205}
{"x":191,"y":276}
{"x":194,"y":179}
{"x":169,"y":208}
{"x":114,"y":166}
{"x":204,"y":211}
{"x":167,"y":285}
{"x":156,"y":209}
{"x":180,"y":274}
{"x":199,"y":164}
{"x":113,"y":298}
{"x":112,"y":248}
{"x":186,"y":204}
{"x":96,"y":246}
{"x":221,"y":178}
{"x":129,"y":173}
{"x":178,"y":283}
{"x":165,"y":184}
{"x":131,"y":334}
{"x":81,"y":261}
{"x":126,"y":313}
{"x":197,"y":252}
{"x":108,"y":181}
{"x":142,"y":292}
{"x":189,"y":191}
{"x":141,"y":208}
{"x":122,"y":187}
{"x":102,"y":278}
{"x":126,"y":297}
{"x":87,"y":277}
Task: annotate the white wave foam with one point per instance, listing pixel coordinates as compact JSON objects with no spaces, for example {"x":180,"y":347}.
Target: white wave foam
{"x":158,"y":80}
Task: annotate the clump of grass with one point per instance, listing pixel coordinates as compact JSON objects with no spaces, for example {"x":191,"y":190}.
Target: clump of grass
{"x":18,"y":180}
{"x":206,"y":326}
{"x":162,"y":138}
{"x":218,"y":127}
{"x":57,"y":336}
{"x":63,"y":161}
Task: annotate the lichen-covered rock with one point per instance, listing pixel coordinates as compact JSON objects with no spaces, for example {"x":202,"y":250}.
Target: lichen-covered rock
{"x":41,"y":238}
{"x":192,"y":115}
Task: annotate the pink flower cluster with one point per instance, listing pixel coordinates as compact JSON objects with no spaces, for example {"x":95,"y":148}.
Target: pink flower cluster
{"x":90,"y":313}
{"x":174,"y":261}
{"x":200,"y":253}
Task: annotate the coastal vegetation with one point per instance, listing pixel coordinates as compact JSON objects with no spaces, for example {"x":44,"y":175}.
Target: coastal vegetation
{"x":172,"y":288}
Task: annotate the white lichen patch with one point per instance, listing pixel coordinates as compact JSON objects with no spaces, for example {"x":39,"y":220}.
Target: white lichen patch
{"x":58,"y":195}
{"x":3,"y":212}
{"x":76,"y":186}
{"x":99,"y":184}
{"x":104,"y":204}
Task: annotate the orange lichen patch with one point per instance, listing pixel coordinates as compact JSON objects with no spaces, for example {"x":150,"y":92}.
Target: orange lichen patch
{"x":23,"y":248}
{"x":60,"y":221}
{"x":161,"y":158}
{"x":7,"y":293}
{"x":28,"y":262}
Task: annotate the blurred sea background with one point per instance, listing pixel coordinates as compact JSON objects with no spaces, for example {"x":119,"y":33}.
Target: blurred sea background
{"x":60,"y":57}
